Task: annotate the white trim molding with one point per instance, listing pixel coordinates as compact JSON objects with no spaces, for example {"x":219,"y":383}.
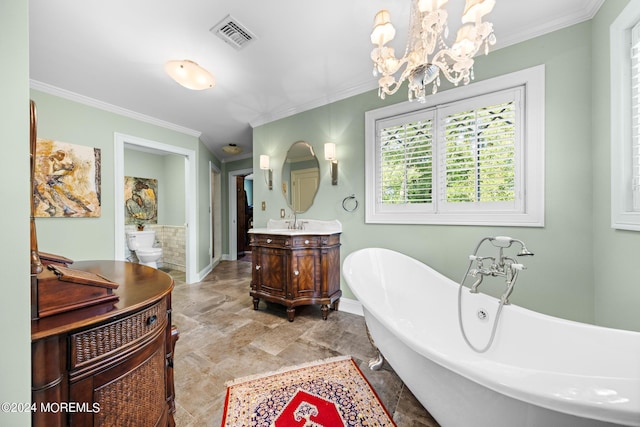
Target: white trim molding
{"x":82,"y":99}
{"x":120,"y":141}
{"x":530,"y":211}
{"x":622,"y":215}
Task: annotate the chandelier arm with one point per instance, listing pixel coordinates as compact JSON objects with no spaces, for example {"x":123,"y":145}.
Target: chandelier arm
{"x":391,"y":88}
{"x":463,"y":63}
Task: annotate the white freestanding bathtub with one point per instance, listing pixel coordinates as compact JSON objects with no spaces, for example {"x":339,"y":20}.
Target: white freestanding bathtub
{"x":540,"y":371}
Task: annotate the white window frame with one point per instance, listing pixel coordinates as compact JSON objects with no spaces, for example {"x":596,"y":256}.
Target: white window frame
{"x":622,"y":215}
{"x":530,"y":210}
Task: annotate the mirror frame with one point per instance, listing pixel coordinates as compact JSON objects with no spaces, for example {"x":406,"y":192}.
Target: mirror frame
{"x":290,"y":157}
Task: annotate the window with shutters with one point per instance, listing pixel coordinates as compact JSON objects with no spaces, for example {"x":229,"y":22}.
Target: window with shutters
{"x":635,"y":119}
{"x":625,"y":119}
{"x":473,"y":155}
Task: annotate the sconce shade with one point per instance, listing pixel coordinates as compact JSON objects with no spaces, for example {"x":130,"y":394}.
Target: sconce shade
{"x":189,"y":74}
{"x":330,"y":151}
{"x":264,"y":162}
{"x":268,"y":173}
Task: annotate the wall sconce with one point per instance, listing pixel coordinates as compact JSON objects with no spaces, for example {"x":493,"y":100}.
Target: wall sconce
{"x":330,"y":154}
{"x":264,"y":165}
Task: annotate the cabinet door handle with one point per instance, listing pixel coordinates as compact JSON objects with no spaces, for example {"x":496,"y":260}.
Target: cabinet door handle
{"x":296,"y":272}
{"x":257,"y":267}
{"x":269,"y":240}
{"x":151,"y":320}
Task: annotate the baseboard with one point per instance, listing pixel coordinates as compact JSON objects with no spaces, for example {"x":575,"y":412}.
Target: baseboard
{"x":350,"y":306}
{"x":203,"y":273}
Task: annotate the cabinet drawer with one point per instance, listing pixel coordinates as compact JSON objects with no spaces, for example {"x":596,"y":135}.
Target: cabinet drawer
{"x":308,"y":241}
{"x":95,"y":343}
{"x":271,"y":240}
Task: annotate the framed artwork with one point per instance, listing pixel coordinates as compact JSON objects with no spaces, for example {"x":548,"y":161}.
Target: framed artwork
{"x":66,"y":180}
{"x":140,"y":200}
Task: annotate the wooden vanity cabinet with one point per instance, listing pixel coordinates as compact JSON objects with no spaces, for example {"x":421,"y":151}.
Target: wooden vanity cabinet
{"x":108,"y":364}
{"x":297,"y":269}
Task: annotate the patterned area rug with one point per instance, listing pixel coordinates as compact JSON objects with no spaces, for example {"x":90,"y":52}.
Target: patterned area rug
{"x":325,"y":393}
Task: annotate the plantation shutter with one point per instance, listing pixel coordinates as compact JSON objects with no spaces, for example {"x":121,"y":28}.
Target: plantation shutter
{"x":405,"y":162}
{"x":635,"y":117}
{"x":479,"y":154}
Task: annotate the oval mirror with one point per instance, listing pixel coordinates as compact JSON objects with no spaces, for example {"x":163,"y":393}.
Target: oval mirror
{"x":300,"y":176}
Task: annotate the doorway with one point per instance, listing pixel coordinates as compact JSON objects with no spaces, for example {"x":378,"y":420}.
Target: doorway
{"x":233,"y":211}
{"x":121,"y":142}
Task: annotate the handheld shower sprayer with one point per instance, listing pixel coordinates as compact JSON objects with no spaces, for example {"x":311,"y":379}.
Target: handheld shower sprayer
{"x":506,"y":242}
{"x":500,"y":266}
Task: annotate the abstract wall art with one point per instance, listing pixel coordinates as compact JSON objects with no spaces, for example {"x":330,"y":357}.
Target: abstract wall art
{"x":141,"y":200}
{"x":66,"y":180}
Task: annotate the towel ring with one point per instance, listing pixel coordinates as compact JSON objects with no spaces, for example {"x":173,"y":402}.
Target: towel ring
{"x":350,"y":203}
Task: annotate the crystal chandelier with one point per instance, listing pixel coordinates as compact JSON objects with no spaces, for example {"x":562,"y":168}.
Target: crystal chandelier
{"x":427,"y":53}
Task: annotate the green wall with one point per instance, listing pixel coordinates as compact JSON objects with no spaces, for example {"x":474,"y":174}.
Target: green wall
{"x":92,"y":238}
{"x":15,"y":369}
{"x":564,"y":277}
{"x":615,"y":252}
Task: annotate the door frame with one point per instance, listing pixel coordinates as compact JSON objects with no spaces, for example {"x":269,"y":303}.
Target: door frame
{"x":122,"y":141}
{"x":233,"y":212}
{"x":215,"y":201}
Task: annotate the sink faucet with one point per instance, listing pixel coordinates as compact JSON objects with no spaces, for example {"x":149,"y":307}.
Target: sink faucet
{"x":293,"y":225}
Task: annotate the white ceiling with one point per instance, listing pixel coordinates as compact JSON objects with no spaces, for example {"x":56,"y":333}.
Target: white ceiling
{"x":111,"y":54}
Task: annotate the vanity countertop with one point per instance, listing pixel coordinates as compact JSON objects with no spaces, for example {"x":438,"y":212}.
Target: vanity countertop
{"x":290,"y":232}
{"x":310,"y":226}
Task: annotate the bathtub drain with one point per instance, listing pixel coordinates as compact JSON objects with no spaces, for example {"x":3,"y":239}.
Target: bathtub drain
{"x":482,"y":314}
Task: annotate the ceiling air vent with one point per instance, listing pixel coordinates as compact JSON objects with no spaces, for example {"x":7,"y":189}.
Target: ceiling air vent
{"x":233,"y":33}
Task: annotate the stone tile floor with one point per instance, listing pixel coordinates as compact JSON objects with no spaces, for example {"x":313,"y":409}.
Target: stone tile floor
{"x":223,"y":338}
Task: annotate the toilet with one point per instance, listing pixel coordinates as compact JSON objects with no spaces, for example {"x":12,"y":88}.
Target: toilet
{"x":141,"y":242}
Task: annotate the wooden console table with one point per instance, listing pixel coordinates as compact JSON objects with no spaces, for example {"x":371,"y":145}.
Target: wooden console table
{"x":296,"y":269}
{"x":109,"y":364}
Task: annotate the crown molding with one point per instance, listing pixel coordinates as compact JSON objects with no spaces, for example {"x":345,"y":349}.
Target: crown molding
{"x":318,"y":102}
{"x":579,"y":15}
{"x":72,"y":96}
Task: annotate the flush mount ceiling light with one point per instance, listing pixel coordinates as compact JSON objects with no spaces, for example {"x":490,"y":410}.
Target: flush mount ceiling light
{"x":427,"y":53}
{"x":232,"y":149}
{"x":189,"y":74}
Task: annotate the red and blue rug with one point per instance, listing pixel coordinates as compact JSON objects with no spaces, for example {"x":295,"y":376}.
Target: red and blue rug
{"x":325,"y":393}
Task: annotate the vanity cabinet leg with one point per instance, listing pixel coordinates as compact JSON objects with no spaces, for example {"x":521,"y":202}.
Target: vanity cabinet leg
{"x":255,"y":303}
{"x":335,"y":304}
{"x":291,"y":313}
{"x":325,"y":311}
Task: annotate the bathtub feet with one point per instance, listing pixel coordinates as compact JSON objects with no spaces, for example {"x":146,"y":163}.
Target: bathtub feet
{"x":376,"y":362}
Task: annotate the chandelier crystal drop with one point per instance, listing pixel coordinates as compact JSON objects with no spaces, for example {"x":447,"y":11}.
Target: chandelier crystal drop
{"x":427,"y":54}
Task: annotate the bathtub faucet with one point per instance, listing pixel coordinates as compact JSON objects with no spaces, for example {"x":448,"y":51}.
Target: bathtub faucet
{"x":481,"y":271}
{"x":502,"y":266}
